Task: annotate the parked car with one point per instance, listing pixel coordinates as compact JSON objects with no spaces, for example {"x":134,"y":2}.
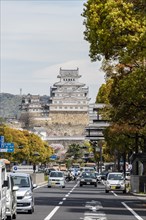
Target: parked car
{"x":56,"y":179}
{"x":25,"y":198}
{"x":11,"y":199}
{"x":88,"y":178}
{"x":115,"y":182}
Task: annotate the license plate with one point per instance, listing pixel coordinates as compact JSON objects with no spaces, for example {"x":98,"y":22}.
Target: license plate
{"x":53,"y":183}
{"x":113,"y":187}
{"x":88,"y":183}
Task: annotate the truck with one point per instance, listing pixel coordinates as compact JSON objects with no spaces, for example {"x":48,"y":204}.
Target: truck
{"x":3,"y":190}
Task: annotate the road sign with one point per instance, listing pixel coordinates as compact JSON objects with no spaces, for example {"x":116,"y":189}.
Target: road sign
{"x":53,"y":157}
{"x":1,"y":141}
{"x":7,"y":147}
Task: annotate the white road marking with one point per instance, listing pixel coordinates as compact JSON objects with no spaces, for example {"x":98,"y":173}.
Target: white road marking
{"x":67,"y":195}
{"x":114,"y":193}
{"x":95,"y":216}
{"x":52,"y":213}
{"x":95,"y":213}
{"x":57,"y":207}
{"x":132,"y":211}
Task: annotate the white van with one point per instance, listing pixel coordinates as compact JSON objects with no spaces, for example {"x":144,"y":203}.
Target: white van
{"x":3,"y":190}
{"x":11,"y":202}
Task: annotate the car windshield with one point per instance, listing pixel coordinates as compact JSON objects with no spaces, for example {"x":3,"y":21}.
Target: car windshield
{"x":56,"y":174}
{"x":88,"y":175}
{"x":21,"y":181}
{"x":115,"y":176}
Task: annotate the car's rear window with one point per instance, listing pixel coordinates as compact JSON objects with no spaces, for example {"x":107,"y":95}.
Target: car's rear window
{"x":113,"y":176}
{"x":56,"y":174}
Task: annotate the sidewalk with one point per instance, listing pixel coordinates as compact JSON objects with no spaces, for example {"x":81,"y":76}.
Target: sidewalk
{"x":141,"y":196}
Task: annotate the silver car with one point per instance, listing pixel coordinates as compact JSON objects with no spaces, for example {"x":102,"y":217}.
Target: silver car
{"x":115,"y":182}
{"x":25,"y":199}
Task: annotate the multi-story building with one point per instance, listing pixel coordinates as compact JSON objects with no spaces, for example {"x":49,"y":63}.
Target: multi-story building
{"x":69,"y":94}
{"x":69,"y":99}
{"x":67,"y":105}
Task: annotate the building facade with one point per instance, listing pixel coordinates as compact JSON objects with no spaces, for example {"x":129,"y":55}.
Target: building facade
{"x":69,"y":99}
{"x":67,"y":105}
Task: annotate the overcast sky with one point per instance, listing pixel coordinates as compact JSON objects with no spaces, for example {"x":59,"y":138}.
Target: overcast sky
{"x":37,"y":38}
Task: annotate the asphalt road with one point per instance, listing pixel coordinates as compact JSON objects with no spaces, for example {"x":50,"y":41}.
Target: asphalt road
{"x":84,"y":203}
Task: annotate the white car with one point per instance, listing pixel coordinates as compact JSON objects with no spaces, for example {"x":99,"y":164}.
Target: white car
{"x":25,"y":199}
{"x":115,"y":182}
{"x":11,"y":199}
{"x":56,"y":179}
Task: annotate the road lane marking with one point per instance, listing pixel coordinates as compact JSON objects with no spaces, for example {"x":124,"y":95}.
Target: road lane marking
{"x":132,"y":211}
{"x":114,"y":193}
{"x":52,"y":213}
{"x":95,"y":213}
{"x":57,"y":207}
{"x":67,"y":195}
{"x":94,"y":216}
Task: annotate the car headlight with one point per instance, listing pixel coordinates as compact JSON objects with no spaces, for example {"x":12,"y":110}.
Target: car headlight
{"x":122,"y":183}
{"x":93,"y":180}
{"x":28,"y":193}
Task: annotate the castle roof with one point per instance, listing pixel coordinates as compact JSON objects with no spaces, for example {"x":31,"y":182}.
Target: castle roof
{"x":69,"y":73}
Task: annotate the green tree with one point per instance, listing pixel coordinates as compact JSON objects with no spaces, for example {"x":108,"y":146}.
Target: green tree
{"x":116,"y":29}
{"x":75,"y":152}
{"x":116,"y":32}
{"x":25,"y":146}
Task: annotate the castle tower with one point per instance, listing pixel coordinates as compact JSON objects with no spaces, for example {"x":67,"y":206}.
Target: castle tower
{"x":69,"y":99}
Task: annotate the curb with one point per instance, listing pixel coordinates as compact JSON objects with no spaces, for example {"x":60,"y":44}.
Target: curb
{"x":139,"y":195}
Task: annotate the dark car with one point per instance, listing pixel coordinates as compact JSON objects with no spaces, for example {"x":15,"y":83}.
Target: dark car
{"x":88,"y":178}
